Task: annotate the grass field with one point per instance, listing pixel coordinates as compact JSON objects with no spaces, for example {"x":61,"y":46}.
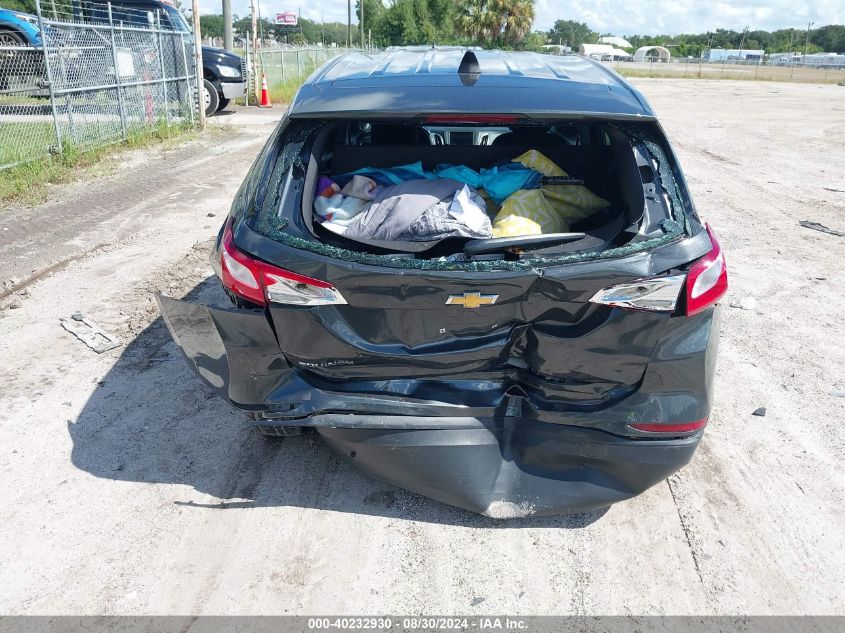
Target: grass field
{"x":28,"y":181}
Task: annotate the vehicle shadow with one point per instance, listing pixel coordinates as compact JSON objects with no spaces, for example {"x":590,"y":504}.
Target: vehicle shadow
{"x":152,"y":420}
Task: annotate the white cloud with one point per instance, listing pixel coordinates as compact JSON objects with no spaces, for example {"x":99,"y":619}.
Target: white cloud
{"x":620,"y":17}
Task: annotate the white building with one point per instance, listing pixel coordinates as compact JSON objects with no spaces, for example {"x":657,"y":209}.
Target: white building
{"x":816,"y":60}
{"x":618,"y":42}
{"x":603,"y":52}
{"x":720,"y":54}
{"x":824,"y":60}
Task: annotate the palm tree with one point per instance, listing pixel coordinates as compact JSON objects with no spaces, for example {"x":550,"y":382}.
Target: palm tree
{"x":516,"y":17}
{"x":478,"y":19}
{"x":489,"y":20}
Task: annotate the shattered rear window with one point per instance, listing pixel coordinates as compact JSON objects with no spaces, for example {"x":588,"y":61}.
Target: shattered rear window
{"x":265,"y":218}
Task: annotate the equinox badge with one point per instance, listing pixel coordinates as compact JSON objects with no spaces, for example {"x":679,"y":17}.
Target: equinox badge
{"x":471,"y":300}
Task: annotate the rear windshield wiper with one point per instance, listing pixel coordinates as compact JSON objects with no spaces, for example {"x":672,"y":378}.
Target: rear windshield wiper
{"x":519,"y":244}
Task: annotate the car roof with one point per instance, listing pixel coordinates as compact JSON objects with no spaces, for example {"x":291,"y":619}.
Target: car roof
{"x":423,"y":80}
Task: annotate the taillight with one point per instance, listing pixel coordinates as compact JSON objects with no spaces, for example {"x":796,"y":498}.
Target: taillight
{"x":706,"y":283}
{"x":707,"y":280}
{"x":262,"y":283}
{"x":686,"y":427}
{"x":657,"y":294}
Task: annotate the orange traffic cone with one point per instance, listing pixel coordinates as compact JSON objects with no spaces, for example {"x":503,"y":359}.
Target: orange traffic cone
{"x":265,"y":94}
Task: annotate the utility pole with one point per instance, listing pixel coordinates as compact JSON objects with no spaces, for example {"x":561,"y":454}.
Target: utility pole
{"x":255,"y":57}
{"x":807,"y":41}
{"x":361,"y":24}
{"x":195,"y":18}
{"x":228,"y":39}
{"x":742,"y":42}
{"x":348,"y":23}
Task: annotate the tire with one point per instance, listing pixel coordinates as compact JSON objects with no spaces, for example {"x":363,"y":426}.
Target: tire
{"x":224,"y":103}
{"x":210,"y":97}
{"x":10,"y":38}
{"x":10,"y":61}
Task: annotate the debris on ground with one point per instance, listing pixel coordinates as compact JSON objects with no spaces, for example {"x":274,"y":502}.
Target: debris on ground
{"x":759,"y":412}
{"x":89,"y":333}
{"x":744,"y":303}
{"x":807,"y":224}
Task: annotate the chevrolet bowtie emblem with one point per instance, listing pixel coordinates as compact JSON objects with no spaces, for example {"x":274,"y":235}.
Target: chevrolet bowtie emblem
{"x":471,"y":300}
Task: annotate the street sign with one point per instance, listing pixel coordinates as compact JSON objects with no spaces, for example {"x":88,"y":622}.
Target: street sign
{"x":287,"y":18}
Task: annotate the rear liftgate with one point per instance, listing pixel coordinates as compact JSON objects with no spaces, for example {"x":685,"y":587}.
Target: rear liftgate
{"x":506,"y":393}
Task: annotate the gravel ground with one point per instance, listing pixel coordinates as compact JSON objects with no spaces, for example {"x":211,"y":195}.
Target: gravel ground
{"x":129,"y":489}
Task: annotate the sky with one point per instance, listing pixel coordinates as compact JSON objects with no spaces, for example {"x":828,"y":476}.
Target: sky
{"x":619,"y":17}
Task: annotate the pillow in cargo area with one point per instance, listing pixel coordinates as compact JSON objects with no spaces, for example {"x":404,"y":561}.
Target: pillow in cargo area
{"x":527,"y":212}
{"x":574,"y":202}
{"x":552,"y":209}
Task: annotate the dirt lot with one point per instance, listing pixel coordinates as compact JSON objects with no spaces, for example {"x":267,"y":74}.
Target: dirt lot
{"x":128,"y":488}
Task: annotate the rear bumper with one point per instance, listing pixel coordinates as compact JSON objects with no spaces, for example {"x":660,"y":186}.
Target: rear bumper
{"x":506,"y":467}
{"x":498,"y":445}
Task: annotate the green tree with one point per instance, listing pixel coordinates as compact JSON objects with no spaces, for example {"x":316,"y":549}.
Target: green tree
{"x":477,"y":19}
{"x":211,"y":25}
{"x":516,"y":18}
{"x":572,"y":33}
{"x":534,"y":41}
{"x":373,"y":12}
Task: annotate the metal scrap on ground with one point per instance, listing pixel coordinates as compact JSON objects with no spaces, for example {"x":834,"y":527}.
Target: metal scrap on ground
{"x":807,"y":224}
{"x":89,"y":333}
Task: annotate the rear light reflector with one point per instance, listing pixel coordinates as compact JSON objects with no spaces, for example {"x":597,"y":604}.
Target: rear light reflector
{"x":707,"y":281}
{"x":658,"y":294}
{"x":263,"y":283}
{"x":686,"y":427}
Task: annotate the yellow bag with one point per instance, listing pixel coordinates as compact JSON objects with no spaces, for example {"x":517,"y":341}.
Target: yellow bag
{"x":551,"y":209}
{"x":527,"y":212}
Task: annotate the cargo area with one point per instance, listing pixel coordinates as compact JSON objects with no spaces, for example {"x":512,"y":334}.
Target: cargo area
{"x":508,"y":189}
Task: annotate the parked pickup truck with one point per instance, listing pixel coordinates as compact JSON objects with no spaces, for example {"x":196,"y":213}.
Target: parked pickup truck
{"x":222,"y":70}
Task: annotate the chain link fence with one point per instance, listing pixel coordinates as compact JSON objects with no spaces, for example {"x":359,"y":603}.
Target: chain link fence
{"x":94,"y":75}
{"x":287,"y":64}
{"x":750,"y":70}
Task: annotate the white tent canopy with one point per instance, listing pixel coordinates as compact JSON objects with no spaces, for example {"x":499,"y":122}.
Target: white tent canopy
{"x":602,"y":51}
{"x":642,"y":53}
{"x":618,"y":42}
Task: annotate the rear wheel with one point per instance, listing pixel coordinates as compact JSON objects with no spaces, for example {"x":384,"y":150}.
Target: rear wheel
{"x":224,"y":103}
{"x":9,"y":59}
{"x":210,"y":97}
{"x":10,"y":38}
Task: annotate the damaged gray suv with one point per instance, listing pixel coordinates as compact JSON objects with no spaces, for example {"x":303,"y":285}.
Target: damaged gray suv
{"x":477,"y":275}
